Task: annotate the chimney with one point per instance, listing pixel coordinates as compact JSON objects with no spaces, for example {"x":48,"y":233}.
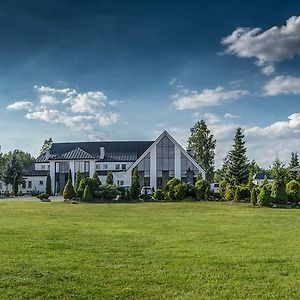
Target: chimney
{"x":102,"y":152}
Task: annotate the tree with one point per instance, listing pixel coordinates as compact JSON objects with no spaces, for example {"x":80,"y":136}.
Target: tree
{"x":135,"y":185}
{"x":294,"y":162}
{"x":77,"y":182}
{"x":48,"y":185}
{"x":70,"y":176}
{"x":200,"y":189}
{"x":253,"y":197}
{"x":87,"y":194}
{"x":237,"y":168}
{"x":13,"y":167}
{"x":110,"y":178}
{"x":46,"y":146}
{"x":68,"y":192}
{"x":253,"y":167}
{"x":263,"y":197}
{"x":203,"y":144}
{"x":229,"y":192}
{"x":293,"y":191}
{"x":96,"y":177}
{"x":15,"y":187}
{"x":279,"y":175}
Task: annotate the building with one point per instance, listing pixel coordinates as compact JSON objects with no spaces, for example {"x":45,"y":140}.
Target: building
{"x":157,"y":161}
{"x":259,"y":178}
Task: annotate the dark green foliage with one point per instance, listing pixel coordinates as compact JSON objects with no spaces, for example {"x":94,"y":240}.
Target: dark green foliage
{"x":200,"y":189}
{"x":203,"y":144}
{"x":68,"y":192}
{"x":87,"y":194}
{"x":253,"y":168}
{"x":170,"y":188}
{"x":237,"y":165}
{"x":46,"y":146}
{"x":229,"y":192}
{"x":159,"y":195}
{"x":107,"y":192}
{"x":15,"y":187}
{"x":48,"y":185}
{"x":250,"y":181}
{"x":264,"y":196}
{"x":241,"y":193}
{"x":279,"y":174}
{"x":222,"y":188}
{"x":135,"y":185}
{"x":145,"y":196}
{"x":265,"y":182}
{"x":294,"y":163}
{"x":207,"y":194}
{"x":293,"y":191}
{"x":190,"y":189}
{"x":43,"y":197}
{"x":253,"y":197}
{"x":13,"y":168}
{"x":180,"y":191}
{"x":70,"y":176}
{"x":122,"y":192}
{"x":110,"y":178}
{"x":77,"y":183}
{"x":91,"y":182}
{"x":96,"y":178}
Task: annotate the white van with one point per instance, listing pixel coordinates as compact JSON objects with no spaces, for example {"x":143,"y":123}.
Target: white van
{"x":214,"y":188}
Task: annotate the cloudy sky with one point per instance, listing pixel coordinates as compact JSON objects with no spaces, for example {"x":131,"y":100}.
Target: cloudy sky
{"x":119,"y":70}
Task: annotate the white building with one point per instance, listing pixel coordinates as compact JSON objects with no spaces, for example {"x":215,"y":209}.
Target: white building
{"x":157,"y":161}
{"x":259,"y":178}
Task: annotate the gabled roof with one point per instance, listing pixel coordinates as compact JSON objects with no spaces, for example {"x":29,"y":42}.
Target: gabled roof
{"x":42,"y":159}
{"x":120,"y":151}
{"x":76,"y":154}
{"x":261,"y":176}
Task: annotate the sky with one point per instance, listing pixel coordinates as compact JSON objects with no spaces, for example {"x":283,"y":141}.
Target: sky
{"x":127,"y":70}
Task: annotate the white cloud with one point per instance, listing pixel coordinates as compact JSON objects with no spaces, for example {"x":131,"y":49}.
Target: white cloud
{"x":208,"y":97}
{"x":47,"y":99}
{"x":211,"y":118}
{"x":20,"y":105}
{"x":268,"y":47}
{"x":283,"y":85}
{"x":86,"y":102}
{"x":230,"y":116}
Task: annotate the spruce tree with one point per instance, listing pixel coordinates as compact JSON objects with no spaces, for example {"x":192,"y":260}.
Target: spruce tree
{"x":70,"y":176}
{"x":96,"y":177}
{"x":253,"y":197}
{"x":203,"y":144}
{"x":110,"y":178}
{"x":48,"y":185}
{"x":68,"y":192}
{"x":135,"y":185}
{"x":77,"y":182}
{"x":237,"y":165}
{"x":87,"y":194}
{"x":294,"y":162}
{"x":279,"y":175}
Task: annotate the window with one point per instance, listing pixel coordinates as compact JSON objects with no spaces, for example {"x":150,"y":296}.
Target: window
{"x":188,"y":170}
{"x":41,"y":182}
{"x":105,"y":166}
{"x":97,"y":166}
{"x":43,"y":167}
{"x":120,"y":182}
{"x":29,"y":184}
{"x":117,"y":166}
{"x":64,"y":167}
{"x":48,"y":167}
{"x":123,"y":166}
{"x":24,"y":185}
{"x":144,"y":171}
{"x":86,"y":166}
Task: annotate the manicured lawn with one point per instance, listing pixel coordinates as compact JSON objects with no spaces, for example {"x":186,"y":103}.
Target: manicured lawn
{"x":148,"y":251}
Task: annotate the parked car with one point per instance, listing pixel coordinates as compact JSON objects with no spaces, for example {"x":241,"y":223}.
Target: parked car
{"x":214,"y":188}
{"x":147,"y":189}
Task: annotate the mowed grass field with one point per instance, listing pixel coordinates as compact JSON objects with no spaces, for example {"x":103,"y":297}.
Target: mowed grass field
{"x":202,"y":250}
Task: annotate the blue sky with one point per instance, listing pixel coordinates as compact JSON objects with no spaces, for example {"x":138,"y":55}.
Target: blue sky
{"x":116,"y":70}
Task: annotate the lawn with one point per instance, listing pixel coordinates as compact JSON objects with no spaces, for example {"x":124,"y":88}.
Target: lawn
{"x":202,"y":250}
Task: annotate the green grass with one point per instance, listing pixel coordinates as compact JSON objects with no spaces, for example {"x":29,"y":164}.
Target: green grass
{"x":148,"y":251}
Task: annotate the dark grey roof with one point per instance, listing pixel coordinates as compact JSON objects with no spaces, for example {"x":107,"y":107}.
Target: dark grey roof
{"x":42,"y":159}
{"x":261,"y":176}
{"x":77,"y":154}
{"x":114,"y":150}
{"x":30,"y":171}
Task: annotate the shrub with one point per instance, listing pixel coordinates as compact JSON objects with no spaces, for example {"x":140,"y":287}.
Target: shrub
{"x":200,"y":189}
{"x":43,"y":197}
{"x":278,"y":192}
{"x":229,"y":192}
{"x":122,"y":193}
{"x":241,"y":193}
{"x":264,"y":196}
{"x":68,"y":192}
{"x":15,"y":187}
{"x":48,"y":185}
{"x":207,"y":194}
{"x":135,"y":185}
{"x":293,"y":191}
{"x":159,"y":195}
{"x":107,"y":192}
{"x":180,"y":191}
{"x":222,"y":188}
{"x":77,"y":184}
{"x":91,"y":182}
{"x":190,"y":190}
{"x":253,"y":197}
{"x":97,"y":179}
{"x":87,"y":194}
{"x":170,"y":187}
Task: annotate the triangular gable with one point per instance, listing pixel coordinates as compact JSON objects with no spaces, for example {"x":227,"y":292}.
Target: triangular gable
{"x":75,"y":154}
{"x":167,"y":134}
